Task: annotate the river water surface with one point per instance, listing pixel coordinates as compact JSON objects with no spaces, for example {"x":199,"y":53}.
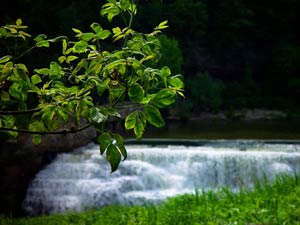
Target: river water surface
{"x":225,"y":129}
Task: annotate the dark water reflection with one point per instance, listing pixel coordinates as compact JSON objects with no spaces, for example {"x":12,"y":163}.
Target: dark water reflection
{"x":224,"y":129}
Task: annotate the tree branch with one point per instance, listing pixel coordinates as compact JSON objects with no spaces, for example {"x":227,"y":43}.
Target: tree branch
{"x":20,"y":112}
{"x":72,"y":130}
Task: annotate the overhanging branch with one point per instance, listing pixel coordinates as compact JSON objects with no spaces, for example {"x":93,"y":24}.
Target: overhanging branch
{"x":3,"y":113}
{"x":72,"y":130}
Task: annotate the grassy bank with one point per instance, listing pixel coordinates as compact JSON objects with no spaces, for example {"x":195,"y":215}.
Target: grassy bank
{"x":277,"y":203}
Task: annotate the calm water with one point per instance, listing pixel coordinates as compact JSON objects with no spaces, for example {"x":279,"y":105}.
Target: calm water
{"x":221,"y":129}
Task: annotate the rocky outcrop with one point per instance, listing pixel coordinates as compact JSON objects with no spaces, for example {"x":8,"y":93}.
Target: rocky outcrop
{"x":58,"y":143}
{"x":20,"y":160}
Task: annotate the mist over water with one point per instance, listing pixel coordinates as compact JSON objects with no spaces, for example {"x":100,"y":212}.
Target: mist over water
{"x":82,"y":179}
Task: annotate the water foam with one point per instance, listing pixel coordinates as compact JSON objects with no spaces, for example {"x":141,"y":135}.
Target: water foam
{"x":82,"y":179}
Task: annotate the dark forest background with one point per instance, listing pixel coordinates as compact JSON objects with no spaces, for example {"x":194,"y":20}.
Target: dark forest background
{"x":233,"y":54}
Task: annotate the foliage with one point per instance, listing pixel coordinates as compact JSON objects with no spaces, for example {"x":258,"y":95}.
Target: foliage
{"x":287,"y":62}
{"x":276,"y":203}
{"x":86,"y":83}
{"x":221,"y":37}
{"x":182,"y":109}
{"x":206,"y":91}
{"x":224,"y":38}
{"x":170,"y":54}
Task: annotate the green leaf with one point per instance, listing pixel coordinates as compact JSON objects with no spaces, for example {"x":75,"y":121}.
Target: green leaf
{"x":18,"y":91}
{"x":48,"y":116}
{"x":113,"y":112}
{"x":165,"y":71}
{"x":37,"y":139}
{"x":40,"y":37}
{"x":103,"y":34}
{"x":18,"y":74}
{"x":36,"y":79}
{"x":37,"y":125}
{"x":55,"y":71}
{"x":3,"y":32}
{"x":115,"y":64}
{"x":9,"y":121}
{"x":43,"y":71}
{"x":22,"y":67}
{"x":110,"y":10}
{"x":133,"y":8}
{"x":117,"y":31}
{"x":62,"y":58}
{"x":23,"y":35}
{"x":35,"y":89}
{"x":19,"y":22}
{"x":5,"y":59}
{"x":5,"y":96}
{"x":136,"y":92}
{"x":113,"y":156}
{"x":76,"y":30}
{"x":130,"y":120}
{"x":96,"y":27}
{"x":153,"y":116}
{"x":71,"y":58}
{"x":176,"y":82}
{"x":101,"y":87}
{"x":125,"y":4}
{"x":139,"y":128}
{"x":80,"y":46}
{"x":120,"y":144}
{"x":164,"y":98}
{"x":55,"y":67}
{"x":64,"y":46}
{"x":6,"y":71}
{"x":162,"y":25}
{"x":13,"y":134}
{"x":97,"y":116}
{"x":104,"y":140}
{"x":43,"y":43}
{"x":116,"y":93}
{"x":147,"y":99}
{"x":63,"y":115}
{"x":142,"y":117}
{"x":87,"y":36}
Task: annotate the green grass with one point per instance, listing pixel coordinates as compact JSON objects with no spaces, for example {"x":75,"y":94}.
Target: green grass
{"x":276,"y":203}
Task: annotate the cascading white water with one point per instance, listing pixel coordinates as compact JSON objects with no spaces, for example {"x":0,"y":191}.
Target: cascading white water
{"x":82,"y":179}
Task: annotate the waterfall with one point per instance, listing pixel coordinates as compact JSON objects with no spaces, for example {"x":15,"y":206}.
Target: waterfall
{"x":81,"y":179}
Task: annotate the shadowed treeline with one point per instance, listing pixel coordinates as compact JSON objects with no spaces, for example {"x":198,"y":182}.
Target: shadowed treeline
{"x":234,"y":54}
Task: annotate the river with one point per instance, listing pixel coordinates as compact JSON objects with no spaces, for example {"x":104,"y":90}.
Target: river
{"x":156,"y":170}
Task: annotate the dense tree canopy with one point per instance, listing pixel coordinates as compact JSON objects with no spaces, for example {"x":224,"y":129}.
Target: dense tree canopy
{"x":252,"y":48}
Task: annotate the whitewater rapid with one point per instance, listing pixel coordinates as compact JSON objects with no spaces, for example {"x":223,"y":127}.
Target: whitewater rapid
{"x":81,"y":179}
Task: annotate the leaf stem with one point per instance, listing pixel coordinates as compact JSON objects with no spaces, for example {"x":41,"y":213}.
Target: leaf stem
{"x":24,"y":53}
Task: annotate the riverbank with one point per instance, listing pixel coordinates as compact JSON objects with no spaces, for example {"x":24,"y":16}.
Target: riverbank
{"x":241,"y":115}
{"x":21,"y":160}
{"x":227,"y":129}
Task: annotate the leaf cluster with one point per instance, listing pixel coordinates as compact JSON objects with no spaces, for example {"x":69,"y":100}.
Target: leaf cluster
{"x":86,"y":83}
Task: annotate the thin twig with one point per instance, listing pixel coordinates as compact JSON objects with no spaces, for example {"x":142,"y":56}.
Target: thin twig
{"x":20,"y":112}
